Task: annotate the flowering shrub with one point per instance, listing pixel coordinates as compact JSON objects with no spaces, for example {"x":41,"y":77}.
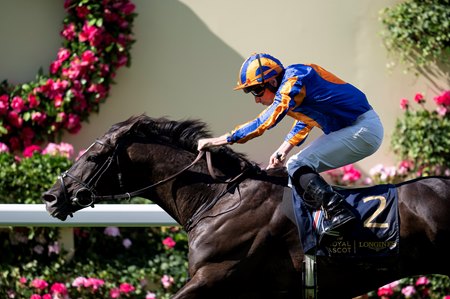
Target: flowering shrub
{"x":423,"y":135}
{"x":422,"y":287}
{"x":344,"y":176}
{"x":97,"y":41}
{"x":24,"y":178}
{"x":108,"y":263}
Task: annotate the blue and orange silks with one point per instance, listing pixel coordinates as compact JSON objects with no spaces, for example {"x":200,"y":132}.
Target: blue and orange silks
{"x":312,"y":96}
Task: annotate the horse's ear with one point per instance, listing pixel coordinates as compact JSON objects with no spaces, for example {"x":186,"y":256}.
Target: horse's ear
{"x":127,"y":128}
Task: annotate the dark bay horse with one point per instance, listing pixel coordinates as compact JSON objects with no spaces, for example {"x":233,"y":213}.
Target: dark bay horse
{"x":242,"y":241}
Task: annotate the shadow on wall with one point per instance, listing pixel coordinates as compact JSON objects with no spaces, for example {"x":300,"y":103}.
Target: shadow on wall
{"x":29,"y":33}
{"x":179,"y":70}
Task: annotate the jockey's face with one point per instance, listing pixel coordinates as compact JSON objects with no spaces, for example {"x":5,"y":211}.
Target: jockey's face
{"x":268,"y":96}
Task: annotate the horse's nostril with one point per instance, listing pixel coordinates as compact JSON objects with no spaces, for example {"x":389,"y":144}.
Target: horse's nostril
{"x":47,"y":197}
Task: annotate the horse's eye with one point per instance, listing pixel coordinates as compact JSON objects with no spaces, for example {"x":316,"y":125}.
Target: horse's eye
{"x":92,"y":158}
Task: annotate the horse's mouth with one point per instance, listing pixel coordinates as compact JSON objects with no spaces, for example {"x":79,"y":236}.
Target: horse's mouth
{"x":52,"y":207}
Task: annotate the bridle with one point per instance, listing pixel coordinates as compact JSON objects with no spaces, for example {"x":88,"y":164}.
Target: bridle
{"x":90,"y":185}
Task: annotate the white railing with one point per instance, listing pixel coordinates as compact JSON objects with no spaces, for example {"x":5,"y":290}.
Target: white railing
{"x":103,"y":215}
{"x":132,"y":215}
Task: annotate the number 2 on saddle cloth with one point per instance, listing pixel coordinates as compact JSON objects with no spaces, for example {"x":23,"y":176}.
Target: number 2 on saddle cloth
{"x":376,"y":233}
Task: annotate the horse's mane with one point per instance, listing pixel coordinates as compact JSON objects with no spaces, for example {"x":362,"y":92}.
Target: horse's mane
{"x":184,"y":134}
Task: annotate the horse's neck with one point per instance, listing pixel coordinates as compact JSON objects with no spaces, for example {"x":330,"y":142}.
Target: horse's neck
{"x":184,"y":194}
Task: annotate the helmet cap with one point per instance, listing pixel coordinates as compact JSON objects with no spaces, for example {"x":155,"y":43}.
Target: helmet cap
{"x":258,"y":69}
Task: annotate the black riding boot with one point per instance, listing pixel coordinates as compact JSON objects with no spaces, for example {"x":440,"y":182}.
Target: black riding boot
{"x":333,"y":204}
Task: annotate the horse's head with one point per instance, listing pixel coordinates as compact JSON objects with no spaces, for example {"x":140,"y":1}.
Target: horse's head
{"x":95,"y":174}
{"x":79,"y":186}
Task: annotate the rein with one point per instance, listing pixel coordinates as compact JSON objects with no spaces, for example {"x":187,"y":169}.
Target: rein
{"x":233,"y":183}
{"x":129,"y":195}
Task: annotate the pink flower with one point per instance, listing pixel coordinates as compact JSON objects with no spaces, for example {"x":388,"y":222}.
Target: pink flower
{"x":121,"y":61}
{"x":14,"y":119}
{"x":4,"y":148}
{"x":151,"y":295}
{"x":61,"y":117}
{"x":22,"y":280}
{"x":62,"y":149}
{"x":112,"y":231}
{"x":126,"y":243}
{"x":447,"y":297}
{"x":385,"y":291}
{"x":128,"y":8}
{"x":169,"y":242}
{"x":69,"y":31}
{"x":33,"y":101}
{"x":53,"y":248}
{"x":38,"y":117}
{"x":73,"y":124}
{"x":35,"y":296}
{"x":443,"y":98}
{"x":408,"y":291}
{"x":404,"y":104}
{"x":423,"y":280}
{"x":404,"y":167}
{"x":167,"y":281}
{"x":39,"y":249}
{"x":4,"y":103}
{"x":63,"y":54}
{"x":441,"y":110}
{"x":79,"y":282}
{"x":58,"y":288}
{"x":17,"y":104}
{"x":126,"y":288}
{"x":95,"y":283}
{"x":351,"y":174}
{"x":90,"y":33}
{"x":47,"y":296}
{"x":30,"y":150}
{"x":82,"y":11}
{"x":39,"y":284}
{"x":418,"y":98}
{"x":88,"y":57}
{"x":54,"y":66}
{"x":114,"y":293}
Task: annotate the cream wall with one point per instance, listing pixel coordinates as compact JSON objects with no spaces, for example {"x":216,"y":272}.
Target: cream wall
{"x":188,"y":53}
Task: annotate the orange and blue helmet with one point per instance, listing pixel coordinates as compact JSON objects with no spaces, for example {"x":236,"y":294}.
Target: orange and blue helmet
{"x":257,"y":69}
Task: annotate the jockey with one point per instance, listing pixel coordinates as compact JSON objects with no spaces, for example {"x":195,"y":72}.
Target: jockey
{"x":313,"y":97}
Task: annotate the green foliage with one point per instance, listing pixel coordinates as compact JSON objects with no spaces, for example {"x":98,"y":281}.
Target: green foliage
{"x":24,"y":180}
{"x":418,"y":31}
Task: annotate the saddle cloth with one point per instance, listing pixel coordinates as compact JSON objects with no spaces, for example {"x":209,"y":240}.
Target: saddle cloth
{"x":376,"y":233}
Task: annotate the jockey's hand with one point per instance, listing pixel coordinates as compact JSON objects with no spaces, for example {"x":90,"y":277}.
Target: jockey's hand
{"x":276,"y":160}
{"x":206,"y":143}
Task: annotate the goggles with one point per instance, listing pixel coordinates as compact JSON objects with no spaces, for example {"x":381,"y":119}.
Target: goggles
{"x":256,"y":90}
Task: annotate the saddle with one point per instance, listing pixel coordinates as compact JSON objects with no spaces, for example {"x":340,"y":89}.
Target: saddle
{"x":376,"y":233}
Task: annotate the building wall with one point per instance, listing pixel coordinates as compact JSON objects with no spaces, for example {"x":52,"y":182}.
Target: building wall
{"x":188,"y":53}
